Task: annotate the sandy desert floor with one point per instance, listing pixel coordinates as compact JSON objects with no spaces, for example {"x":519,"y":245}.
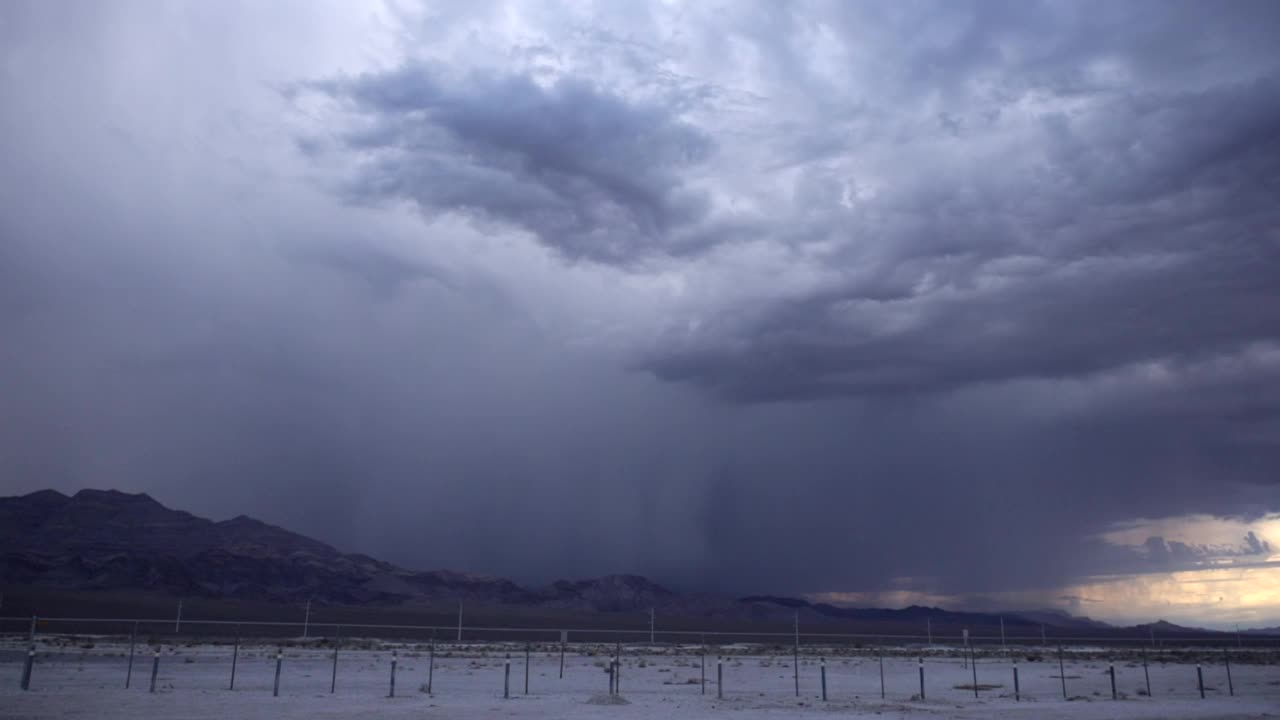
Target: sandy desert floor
{"x":85,"y":679}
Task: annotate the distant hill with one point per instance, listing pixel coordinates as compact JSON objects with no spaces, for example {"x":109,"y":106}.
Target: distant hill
{"x":104,"y":540}
{"x":109,"y":540}
{"x":1061,"y":619}
{"x":1165,"y":628}
{"x":915,"y":614}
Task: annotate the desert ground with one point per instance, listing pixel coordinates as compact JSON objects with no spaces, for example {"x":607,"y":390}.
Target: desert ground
{"x":85,"y":677}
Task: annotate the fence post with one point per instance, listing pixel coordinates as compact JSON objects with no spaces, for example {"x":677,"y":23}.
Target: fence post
{"x":526,"y":668}
{"x":1200,"y":680}
{"x":506,"y":677}
{"x":617,"y":674}
{"x":1112,"y":670}
{"x":880,"y":653}
{"x":431,"y":667}
{"x":822,"y":662}
{"x":333,"y":678}
{"x":1146,"y":673}
{"x":973,"y":661}
{"x":1017,"y":689}
{"x":795,"y":662}
{"x":275,"y":687}
{"x":563,"y":634}
{"x":1231,"y":687}
{"x":703,"y":657}
{"x":394,"y":659}
{"x":1062,"y":673}
{"x":922,"y":677}
{"x":235,"y":657}
{"x":133,"y":639}
{"x":27,"y":665}
{"x":720,"y":678}
{"x":155,"y":669}
{"x":31,"y":656}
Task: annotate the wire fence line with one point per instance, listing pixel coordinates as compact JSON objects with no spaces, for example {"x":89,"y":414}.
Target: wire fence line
{"x":744,"y":672}
{"x":33,"y":625}
{"x":56,"y":650}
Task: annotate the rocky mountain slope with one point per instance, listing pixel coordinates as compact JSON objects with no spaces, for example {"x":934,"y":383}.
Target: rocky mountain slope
{"x":109,"y":540}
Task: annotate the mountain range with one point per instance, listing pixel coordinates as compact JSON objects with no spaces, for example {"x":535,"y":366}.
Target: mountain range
{"x":105,"y":540}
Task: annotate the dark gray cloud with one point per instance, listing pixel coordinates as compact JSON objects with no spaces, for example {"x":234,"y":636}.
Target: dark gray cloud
{"x":1153,"y":243}
{"x":588,"y":172}
{"x":1256,"y":546}
{"x":786,"y":298}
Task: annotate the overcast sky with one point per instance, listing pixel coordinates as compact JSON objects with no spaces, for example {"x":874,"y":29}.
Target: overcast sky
{"x":942,"y":299}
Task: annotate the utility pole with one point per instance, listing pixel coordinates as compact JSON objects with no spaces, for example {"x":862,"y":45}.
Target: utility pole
{"x":306,"y":620}
{"x":1003,"y":646}
{"x":177,"y":623}
{"x":651,"y":623}
{"x":459,"y":621}
{"x":929,"y":625}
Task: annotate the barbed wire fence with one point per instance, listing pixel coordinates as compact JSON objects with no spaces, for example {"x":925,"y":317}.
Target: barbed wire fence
{"x":906,"y":666}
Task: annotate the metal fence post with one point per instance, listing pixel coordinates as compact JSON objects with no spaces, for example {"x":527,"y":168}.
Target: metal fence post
{"x":526,"y":668}
{"x":26,"y":667}
{"x":922,"y":677}
{"x":337,"y":641}
{"x":133,"y":638}
{"x":30,"y":662}
{"x":822,"y":663}
{"x":235,"y":658}
{"x":720,"y":678}
{"x":506,"y":677}
{"x":1146,"y":673}
{"x":1200,"y":680}
{"x":795,"y":663}
{"x":1062,"y":673}
{"x":880,"y":654}
{"x":155,"y":669}
{"x":1112,"y":670}
{"x":275,"y":688}
{"x":1017,"y":689}
{"x":973,"y":661}
{"x":392,"y":693}
{"x":703,"y":657}
{"x":431,"y":667}
{"x":1231,"y":687}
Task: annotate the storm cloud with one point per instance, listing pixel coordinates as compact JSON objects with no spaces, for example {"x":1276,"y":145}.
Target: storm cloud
{"x":785,"y":297}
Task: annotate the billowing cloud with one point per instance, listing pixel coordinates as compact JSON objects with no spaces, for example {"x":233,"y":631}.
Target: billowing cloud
{"x":586,"y":171}
{"x":903,"y":300}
